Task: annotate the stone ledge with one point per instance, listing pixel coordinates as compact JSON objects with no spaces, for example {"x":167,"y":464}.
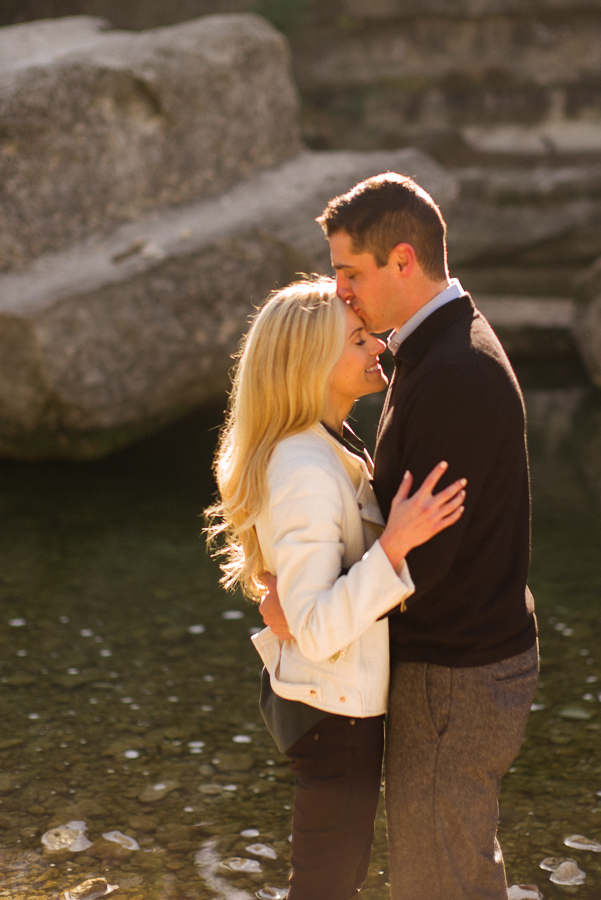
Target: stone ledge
{"x":122,"y":333}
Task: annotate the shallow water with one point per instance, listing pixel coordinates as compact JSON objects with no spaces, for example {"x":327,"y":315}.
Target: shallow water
{"x":128,"y":685}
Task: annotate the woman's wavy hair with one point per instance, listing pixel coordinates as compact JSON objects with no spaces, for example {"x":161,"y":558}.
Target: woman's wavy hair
{"x":279,"y":388}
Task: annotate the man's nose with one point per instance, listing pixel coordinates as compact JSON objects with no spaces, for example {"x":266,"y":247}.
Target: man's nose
{"x":343,"y":287}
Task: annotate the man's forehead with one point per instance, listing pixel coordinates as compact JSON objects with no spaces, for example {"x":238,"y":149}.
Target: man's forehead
{"x":342,"y":254}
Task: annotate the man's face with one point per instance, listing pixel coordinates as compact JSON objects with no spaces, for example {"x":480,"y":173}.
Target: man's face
{"x":375,"y":294}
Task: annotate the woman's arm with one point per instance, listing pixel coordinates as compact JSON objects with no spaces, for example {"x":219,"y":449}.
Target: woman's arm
{"x":324,"y":609}
{"x":411,"y":522}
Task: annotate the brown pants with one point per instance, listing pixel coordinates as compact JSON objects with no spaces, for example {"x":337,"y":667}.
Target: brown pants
{"x":451,"y":736}
{"x":338,"y":767}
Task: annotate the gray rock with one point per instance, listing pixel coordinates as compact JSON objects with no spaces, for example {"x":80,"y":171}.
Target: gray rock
{"x":587,"y":323}
{"x":118,"y":335}
{"x":135,"y":14}
{"x":391,"y":9}
{"x":531,"y":327}
{"x":497,"y":82}
{"x":101,"y":127}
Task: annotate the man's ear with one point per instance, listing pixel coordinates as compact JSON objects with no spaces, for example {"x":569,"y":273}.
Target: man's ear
{"x":403,"y":256}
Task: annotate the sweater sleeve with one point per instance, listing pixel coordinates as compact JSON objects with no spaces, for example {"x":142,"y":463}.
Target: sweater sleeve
{"x":456,"y":414}
{"x":325,"y":610}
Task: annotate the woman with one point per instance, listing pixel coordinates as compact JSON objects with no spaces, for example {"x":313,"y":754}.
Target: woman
{"x":296,"y":501}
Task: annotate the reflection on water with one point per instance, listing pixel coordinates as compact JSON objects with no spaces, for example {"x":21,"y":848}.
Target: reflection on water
{"x":128,"y":685}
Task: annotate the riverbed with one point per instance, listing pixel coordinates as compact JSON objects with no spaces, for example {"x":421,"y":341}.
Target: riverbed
{"x":128,"y":683}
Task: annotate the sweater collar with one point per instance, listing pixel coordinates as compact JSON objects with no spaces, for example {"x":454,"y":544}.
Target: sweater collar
{"x":415,"y":345}
{"x":451,"y":292}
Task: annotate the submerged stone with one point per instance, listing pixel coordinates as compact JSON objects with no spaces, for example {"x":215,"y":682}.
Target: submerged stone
{"x":67,"y":837}
{"x":155,"y":792}
{"x":522,"y":892}
{"x":262,"y":850}
{"x":579,"y":842}
{"x":124,"y":840}
{"x":7,"y":783}
{"x":274,"y":893}
{"x":91,"y":889}
{"x":568,"y":873}
{"x":210,"y":789}
{"x":576,"y":713}
{"x":239,"y":864}
{"x":551,"y":863}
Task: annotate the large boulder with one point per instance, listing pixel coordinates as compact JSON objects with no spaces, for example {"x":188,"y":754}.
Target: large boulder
{"x":100,"y":127}
{"x":108,"y":340}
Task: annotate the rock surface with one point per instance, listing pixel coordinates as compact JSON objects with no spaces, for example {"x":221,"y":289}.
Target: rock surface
{"x":155,"y":187}
{"x":587,"y":323}
{"x":119,"y":334}
{"x":100,"y":127}
{"x":499,"y":80}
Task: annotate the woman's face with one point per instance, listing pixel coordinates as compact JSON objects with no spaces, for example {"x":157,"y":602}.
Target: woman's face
{"x":357,"y":371}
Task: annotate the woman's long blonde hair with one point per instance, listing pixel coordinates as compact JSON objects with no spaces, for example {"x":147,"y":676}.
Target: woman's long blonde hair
{"x":279,"y":388}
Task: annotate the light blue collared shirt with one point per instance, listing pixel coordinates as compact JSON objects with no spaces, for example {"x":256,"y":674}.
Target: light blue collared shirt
{"x":396,"y":338}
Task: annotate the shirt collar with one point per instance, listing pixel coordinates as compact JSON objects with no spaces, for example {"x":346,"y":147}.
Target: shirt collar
{"x":396,"y":338}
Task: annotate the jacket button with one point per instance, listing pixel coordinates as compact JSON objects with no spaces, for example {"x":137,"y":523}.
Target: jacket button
{"x":313,"y":693}
{"x":342,"y":699}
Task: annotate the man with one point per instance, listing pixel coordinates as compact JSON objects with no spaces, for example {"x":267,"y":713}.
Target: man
{"x":464,"y":654}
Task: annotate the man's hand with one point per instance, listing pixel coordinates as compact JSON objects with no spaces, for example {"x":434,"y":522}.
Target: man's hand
{"x":271,"y":609}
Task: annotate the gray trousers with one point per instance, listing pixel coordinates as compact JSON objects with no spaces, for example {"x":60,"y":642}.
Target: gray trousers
{"x":451,"y":735}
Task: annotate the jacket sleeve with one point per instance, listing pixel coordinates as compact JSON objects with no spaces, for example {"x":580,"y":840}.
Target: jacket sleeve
{"x":325,"y":610}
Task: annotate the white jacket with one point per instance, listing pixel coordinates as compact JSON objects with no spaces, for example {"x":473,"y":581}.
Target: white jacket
{"x":322,"y":516}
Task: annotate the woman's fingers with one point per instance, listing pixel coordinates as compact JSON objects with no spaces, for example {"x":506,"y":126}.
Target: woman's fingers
{"x":405,"y":487}
{"x":450,"y":492}
{"x":431,"y":480}
{"x":447,"y":520}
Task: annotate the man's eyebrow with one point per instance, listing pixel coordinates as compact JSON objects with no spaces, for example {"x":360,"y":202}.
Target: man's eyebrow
{"x":343,"y":266}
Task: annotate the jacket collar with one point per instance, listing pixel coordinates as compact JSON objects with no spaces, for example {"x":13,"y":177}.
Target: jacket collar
{"x":350,"y":458}
{"x":415,"y":345}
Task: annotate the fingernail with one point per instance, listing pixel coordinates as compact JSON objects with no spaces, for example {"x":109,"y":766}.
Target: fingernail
{"x":406,"y":475}
{"x":443,"y":464}
{"x":463,"y":481}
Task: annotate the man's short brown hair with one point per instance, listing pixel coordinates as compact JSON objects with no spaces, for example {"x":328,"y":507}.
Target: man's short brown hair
{"x":387,"y":210}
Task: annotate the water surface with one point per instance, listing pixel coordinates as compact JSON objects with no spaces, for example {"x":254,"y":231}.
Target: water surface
{"x":128,"y":684}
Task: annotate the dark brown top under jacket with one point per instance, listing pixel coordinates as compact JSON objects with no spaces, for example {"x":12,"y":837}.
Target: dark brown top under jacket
{"x":454,"y":396}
